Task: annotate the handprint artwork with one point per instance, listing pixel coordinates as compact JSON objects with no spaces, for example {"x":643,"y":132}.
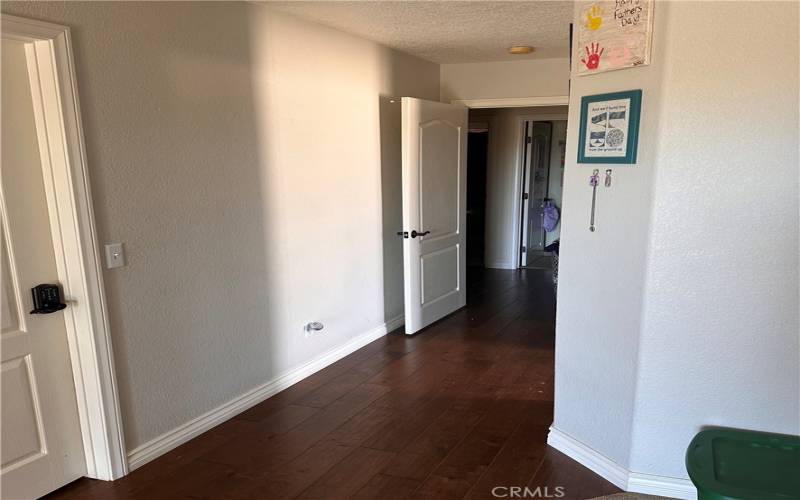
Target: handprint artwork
{"x":612,"y":34}
{"x":594,"y":18}
{"x":592,"y":60}
{"x":619,"y":56}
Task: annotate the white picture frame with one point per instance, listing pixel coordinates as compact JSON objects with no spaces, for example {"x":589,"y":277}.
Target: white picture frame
{"x":613,"y":35}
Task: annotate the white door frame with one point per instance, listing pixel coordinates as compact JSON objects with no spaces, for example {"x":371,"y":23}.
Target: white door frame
{"x":60,"y":134}
{"x":519,"y":170}
{"x":514,"y":102}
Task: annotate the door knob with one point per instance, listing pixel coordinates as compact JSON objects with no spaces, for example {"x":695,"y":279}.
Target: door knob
{"x":413,"y":233}
{"x":46,"y":299}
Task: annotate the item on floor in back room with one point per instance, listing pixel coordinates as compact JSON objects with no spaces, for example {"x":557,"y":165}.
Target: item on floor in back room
{"x":608,"y":178}
{"x":594,"y":179}
{"x":608,"y":131}
{"x":727,"y":464}
{"x":550,"y":215}
{"x":553,"y":248}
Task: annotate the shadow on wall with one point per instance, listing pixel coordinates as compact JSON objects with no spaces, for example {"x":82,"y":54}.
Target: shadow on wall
{"x":193,"y":312}
{"x":235,"y":152}
{"x":401,"y":76}
{"x":174,"y":149}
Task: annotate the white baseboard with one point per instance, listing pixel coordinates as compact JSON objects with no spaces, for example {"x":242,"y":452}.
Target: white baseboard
{"x":621,"y":477}
{"x":393,"y":324}
{"x":588,"y":457}
{"x":179,"y":435}
{"x":500,"y":265}
{"x":664,"y":486}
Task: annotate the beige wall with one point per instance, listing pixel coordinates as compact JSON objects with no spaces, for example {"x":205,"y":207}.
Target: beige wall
{"x":721,"y":326}
{"x":681,"y":310}
{"x":237,"y":153}
{"x":493,"y":80}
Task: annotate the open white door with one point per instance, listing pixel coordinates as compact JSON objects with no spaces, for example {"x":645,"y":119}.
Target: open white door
{"x":434,"y":210}
{"x":42,"y":447}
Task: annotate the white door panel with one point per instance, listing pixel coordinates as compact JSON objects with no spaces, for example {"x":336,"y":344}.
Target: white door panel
{"x":440,"y":276}
{"x":41,"y":447}
{"x":439,"y":178}
{"x":434,"y":203}
{"x":25,"y":443}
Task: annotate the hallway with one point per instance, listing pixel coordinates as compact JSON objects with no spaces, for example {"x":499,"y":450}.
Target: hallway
{"x":452,"y":412}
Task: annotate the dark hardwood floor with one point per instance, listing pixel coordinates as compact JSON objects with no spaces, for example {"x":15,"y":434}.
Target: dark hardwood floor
{"x":452,"y":412}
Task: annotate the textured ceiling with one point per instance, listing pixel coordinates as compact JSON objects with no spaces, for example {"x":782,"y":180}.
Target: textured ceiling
{"x":448,"y":31}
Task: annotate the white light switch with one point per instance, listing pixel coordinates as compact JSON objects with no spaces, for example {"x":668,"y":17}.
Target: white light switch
{"x":115,"y":256}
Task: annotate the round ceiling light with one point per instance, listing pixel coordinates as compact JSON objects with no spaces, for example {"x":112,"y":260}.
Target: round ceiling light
{"x":520,"y":49}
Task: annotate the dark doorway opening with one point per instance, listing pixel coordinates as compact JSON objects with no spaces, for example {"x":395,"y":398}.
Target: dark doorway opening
{"x":477,"y":154}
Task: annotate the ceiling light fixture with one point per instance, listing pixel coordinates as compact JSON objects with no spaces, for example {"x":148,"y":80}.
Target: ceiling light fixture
{"x":520,"y":49}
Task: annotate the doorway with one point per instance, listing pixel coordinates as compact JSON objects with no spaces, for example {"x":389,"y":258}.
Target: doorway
{"x":515,"y":177}
{"x":456,"y":159}
{"x":541,"y":186}
{"x":42,"y":448}
{"x":61,"y":413}
{"x":477,"y":151}
{"x":535,"y":176}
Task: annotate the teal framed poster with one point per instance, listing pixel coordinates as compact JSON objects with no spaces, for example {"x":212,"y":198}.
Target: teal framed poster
{"x":609,"y":127}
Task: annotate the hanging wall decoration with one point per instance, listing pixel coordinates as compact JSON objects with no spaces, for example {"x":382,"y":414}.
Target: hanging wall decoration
{"x":614,"y":34}
{"x":609,"y":127}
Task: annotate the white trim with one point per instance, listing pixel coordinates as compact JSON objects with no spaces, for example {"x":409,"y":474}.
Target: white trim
{"x":60,"y":134}
{"x":665,"y":486}
{"x":519,"y":231}
{"x":621,"y":477}
{"x":513,"y":102}
{"x":183,"y":433}
{"x":518,"y":170}
{"x":588,"y":457}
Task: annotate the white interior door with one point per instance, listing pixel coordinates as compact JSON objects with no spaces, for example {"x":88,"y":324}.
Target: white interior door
{"x":539,"y":180}
{"x":41,"y":446}
{"x":434,"y":210}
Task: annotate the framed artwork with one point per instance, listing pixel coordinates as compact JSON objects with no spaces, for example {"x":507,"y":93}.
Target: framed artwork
{"x":609,"y":127}
{"x":613,"y":34}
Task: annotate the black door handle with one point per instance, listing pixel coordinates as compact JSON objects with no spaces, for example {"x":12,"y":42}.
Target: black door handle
{"x":414,"y":233}
{"x":46,"y":299}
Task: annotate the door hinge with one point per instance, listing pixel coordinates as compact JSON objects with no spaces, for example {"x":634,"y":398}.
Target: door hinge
{"x":524,"y":249}
{"x":528,"y":139}
{"x":524,"y":196}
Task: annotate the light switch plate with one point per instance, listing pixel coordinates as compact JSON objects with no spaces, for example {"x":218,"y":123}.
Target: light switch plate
{"x":115,"y":255}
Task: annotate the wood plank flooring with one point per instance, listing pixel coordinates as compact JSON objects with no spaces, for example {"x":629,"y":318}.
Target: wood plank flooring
{"x":452,"y":412}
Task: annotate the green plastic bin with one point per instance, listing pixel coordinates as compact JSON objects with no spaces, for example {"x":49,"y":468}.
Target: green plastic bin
{"x":728,"y":464}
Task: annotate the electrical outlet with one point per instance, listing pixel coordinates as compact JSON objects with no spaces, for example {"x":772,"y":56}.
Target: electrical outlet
{"x":313,"y":328}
